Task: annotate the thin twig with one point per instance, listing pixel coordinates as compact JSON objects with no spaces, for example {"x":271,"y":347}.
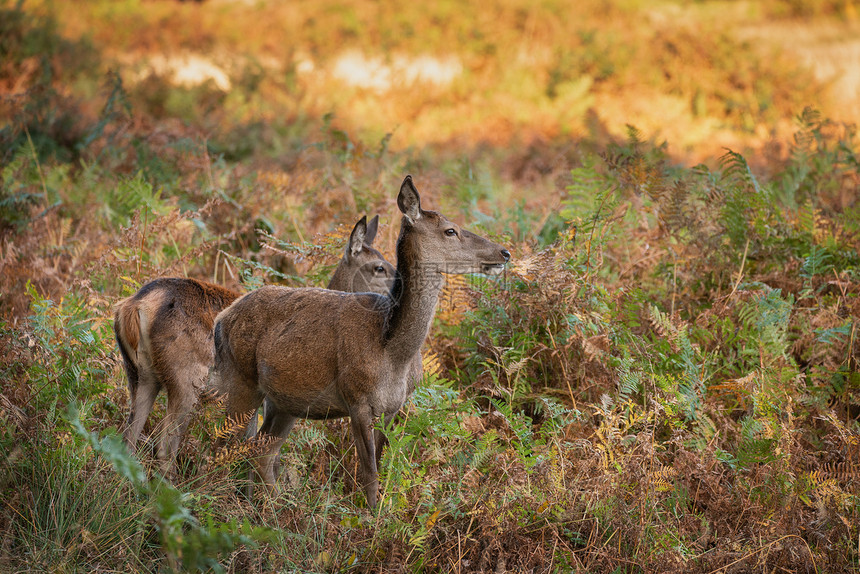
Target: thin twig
{"x":741,"y":270}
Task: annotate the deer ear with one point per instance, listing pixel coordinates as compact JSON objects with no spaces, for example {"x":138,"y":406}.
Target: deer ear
{"x":408,"y":200}
{"x":372,"y":227}
{"x":356,"y":238}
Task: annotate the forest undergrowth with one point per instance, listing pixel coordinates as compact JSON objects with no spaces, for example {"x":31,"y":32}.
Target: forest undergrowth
{"x":665,"y":379}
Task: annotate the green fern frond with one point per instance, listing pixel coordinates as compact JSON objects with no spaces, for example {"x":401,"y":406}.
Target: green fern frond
{"x":485,"y":448}
{"x":817,"y":263}
{"x":810,"y":120}
{"x":736,"y":168}
{"x":629,"y":380}
{"x":525,"y":444}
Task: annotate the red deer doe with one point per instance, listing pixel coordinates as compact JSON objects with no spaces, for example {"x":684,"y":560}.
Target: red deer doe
{"x":164,"y":333}
{"x":317,"y":354}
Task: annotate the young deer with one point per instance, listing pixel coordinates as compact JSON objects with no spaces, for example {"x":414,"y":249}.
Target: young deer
{"x":164,"y":333}
{"x":317,"y":354}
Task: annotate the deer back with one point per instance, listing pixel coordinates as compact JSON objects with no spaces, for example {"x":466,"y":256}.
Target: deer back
{"x":169,"y":322}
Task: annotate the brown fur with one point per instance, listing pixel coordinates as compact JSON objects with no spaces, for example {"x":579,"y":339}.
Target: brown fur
{"x":164,"y":333}
{"x":319,"y":354}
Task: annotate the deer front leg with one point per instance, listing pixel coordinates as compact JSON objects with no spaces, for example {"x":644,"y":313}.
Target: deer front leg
{"x":361,"y":422}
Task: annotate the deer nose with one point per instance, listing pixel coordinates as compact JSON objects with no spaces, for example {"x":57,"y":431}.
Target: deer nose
{"x":506,"y":254}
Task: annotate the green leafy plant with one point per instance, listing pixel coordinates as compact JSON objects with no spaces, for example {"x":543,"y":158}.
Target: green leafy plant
{"x":187,"y":544}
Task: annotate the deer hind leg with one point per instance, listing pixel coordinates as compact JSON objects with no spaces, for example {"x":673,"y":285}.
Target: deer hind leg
{"x":142,"y":399}
{"x":242,"y":399}
{"x":143,"y":383}
{"x":361,"y":422}
{"x":250,"y":434}
{"x":183,"y":391}
{"x":133,"y":377}
{"x":251,"y":431}
{"x":276,"y":427}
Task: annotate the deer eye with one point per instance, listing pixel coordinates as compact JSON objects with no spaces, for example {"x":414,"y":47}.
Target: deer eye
{"x":379,"y":269}
{"x":451,"y":232}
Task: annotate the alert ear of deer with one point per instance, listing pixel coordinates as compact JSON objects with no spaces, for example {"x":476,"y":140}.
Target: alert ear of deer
{"x":362,"y":268}
{"x":164,"y":333}
{"x":318,"y":354}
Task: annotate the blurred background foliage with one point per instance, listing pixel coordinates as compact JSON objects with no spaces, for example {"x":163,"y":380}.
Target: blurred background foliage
{"x":666,"y":378}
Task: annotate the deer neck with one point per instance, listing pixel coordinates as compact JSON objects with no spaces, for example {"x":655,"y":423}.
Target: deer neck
{"x":417,"y":284}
